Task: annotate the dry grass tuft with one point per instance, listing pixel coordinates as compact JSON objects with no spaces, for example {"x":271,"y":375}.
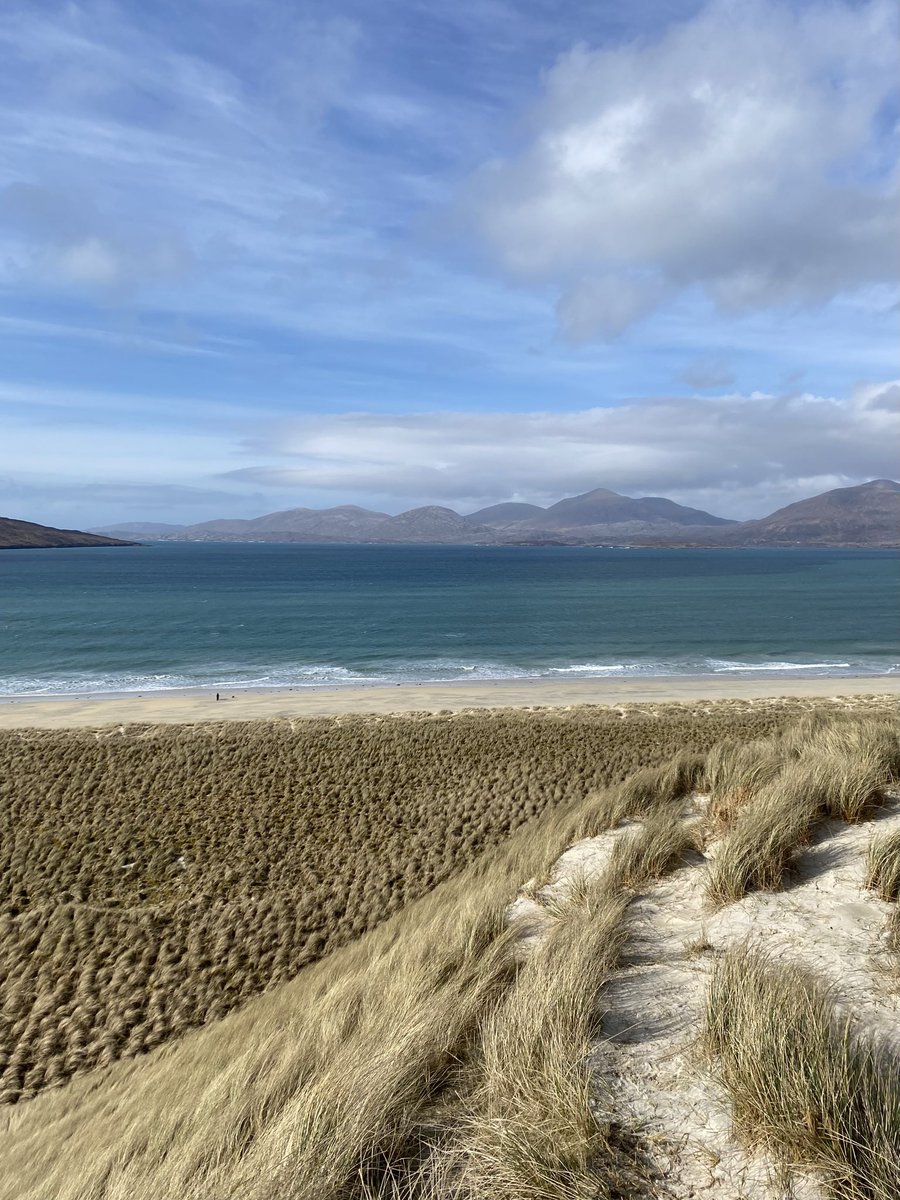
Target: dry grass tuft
{"x":527,"y":1131}
{"x":735,"y":772}
{"x":810,"y":774}
{"x":656,"y":848}
{"x":883,"y":866}
{"x":764,"y":837}
{"x":805,"y":1083}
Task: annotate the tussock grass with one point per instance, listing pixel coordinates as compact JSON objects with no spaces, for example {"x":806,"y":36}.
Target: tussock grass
{"x":812,"y":773}
{"x":805,"y":1083}
{"x":653,"y":850}
{"x":432,"y":1058}
{"x":361,"y":1108}
{"x":855,"y":757}
{"x":735,"y":771}
{"x":153,"y":880}
{"x":848,"y":735}
{"x":764,"y":837}
{"x":528,"y":1132}
{"x":643,"y":792}
{"x":304,"y":1092}
{"x":883,"y":866}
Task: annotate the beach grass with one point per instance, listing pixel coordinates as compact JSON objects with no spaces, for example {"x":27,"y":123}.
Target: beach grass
{"x":153,"y":879}
{"x":883,"y":866}
{"x":444,"y":1053}
{"x":807,"y":1083}
{"x":816,"y":772}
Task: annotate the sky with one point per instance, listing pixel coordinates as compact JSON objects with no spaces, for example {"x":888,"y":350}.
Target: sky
{"x":258,"y":254}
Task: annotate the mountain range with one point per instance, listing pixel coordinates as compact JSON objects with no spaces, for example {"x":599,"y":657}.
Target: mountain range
{"x":865,"y":515}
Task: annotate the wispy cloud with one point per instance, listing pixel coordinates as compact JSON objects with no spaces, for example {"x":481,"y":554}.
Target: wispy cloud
{"x":212,"y":226}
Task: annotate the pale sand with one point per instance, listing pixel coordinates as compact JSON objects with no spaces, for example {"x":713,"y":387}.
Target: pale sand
{"x":191,"y":706}
{"x":646,"y":1069}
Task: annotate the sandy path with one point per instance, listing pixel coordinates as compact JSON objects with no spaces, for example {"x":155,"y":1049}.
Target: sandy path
{"x":191,"y":706}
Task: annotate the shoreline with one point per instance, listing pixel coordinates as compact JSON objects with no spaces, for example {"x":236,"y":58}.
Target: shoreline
{"x":190,"y":705}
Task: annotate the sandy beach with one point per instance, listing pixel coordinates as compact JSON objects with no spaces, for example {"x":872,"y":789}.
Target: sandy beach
{"x":192,"y":706}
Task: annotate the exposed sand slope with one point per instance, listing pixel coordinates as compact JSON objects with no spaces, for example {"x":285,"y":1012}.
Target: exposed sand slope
{"x":647,"y":1061}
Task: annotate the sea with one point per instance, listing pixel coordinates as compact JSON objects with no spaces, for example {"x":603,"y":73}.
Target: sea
{"x":229,"y":615}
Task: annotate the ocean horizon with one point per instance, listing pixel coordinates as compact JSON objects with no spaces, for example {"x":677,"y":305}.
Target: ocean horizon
{"x":217,"y":616}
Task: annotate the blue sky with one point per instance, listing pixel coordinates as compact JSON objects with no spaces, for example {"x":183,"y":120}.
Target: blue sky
{"x":259,"y":255}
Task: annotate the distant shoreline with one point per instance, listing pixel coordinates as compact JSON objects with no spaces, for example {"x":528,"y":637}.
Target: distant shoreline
{"x":190,"y":705}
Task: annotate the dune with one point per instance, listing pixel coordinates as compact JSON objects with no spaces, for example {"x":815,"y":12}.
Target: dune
{"x":676,"y":979}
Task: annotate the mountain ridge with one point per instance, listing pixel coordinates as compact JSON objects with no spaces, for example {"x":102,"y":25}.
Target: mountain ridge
{"x":866,"y":514}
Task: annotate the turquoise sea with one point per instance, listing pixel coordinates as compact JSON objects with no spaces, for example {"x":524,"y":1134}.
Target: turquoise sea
{"x":170,"y":615}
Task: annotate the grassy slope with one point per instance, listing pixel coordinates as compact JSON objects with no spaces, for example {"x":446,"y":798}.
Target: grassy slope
{"x":428,"y":1031}
{"x":153,"y":880}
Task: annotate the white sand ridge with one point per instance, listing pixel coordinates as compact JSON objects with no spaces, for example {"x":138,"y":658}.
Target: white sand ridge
{"x":648,"y":1074}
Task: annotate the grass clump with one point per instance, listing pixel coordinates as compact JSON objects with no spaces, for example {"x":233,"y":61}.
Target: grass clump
{"x":764,"y":837}
{"x":655,"y":848}
{"x":735,"y":771}
{"x":805,"y":1083}
{"x":883,"y":866}
{"x":643,"y":792}
{"x":527,"y":1131}
{"x":813,"y":773}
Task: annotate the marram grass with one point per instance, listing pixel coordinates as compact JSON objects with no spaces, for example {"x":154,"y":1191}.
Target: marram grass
{"x":805,"y":1082}
{"x":154,"y":879}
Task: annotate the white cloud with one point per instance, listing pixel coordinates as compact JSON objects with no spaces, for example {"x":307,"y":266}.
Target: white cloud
{"x":739,"y":152}
{"x":741,"y":455}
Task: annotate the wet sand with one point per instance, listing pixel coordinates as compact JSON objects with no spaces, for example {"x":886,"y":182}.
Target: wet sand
{"x":195,"y":705}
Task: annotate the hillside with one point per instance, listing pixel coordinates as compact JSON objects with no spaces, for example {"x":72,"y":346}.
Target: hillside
{"x":499,"y":515}
{"x":599,"y":978}
{"x":603,"y":508}
{"x":867,"y":515}
{"x":344,"y":523}
{"x":596,"y":514}
{"x":25,"y":535}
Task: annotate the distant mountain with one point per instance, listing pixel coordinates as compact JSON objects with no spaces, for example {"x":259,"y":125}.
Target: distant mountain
{"x":435,"y":524}
{"x":498,"y":515}
{"x":137,"y":529}
{"x":604,"y":508}
{"x":346,"y":523}
{"x":25,"y":535}
{"x":866,"y":515}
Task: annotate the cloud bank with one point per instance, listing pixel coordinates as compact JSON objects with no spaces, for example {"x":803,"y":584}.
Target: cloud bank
{"x":741,"y":455}
{"x":742,"y":153}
